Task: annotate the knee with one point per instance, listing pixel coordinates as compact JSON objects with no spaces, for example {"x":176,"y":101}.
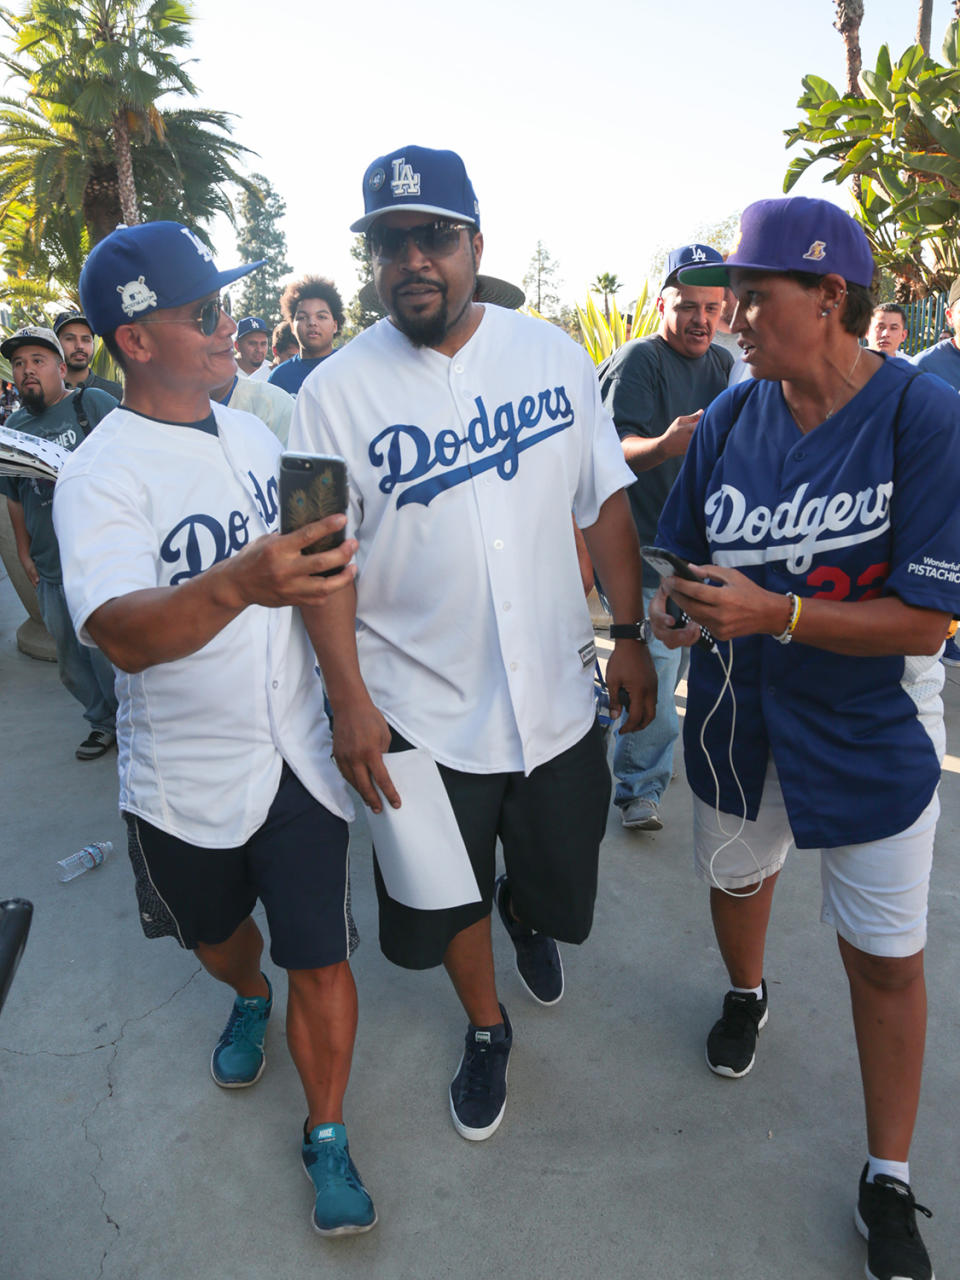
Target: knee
{"x":316,"y":984}
{"x":885,"y":973}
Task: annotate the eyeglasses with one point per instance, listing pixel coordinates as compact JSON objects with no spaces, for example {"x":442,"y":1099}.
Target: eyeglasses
{"x":208,"y":319}
{"x":433,"y":239}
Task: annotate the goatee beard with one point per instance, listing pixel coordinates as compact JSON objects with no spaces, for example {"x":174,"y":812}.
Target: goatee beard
{"x":33,"y":401}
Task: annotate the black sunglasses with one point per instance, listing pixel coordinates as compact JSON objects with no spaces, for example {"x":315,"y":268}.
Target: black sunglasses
{"x":433,"y":239}
{"x":208,"y":319}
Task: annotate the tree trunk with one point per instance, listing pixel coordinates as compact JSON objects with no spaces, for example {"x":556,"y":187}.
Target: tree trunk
{"x":126,"y":184}
{"x":924,"y":18}
{"x":101,"y":202}
{"x":849,"y":17}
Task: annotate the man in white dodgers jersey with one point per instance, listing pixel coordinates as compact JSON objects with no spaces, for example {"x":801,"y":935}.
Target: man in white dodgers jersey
{"x":177,"y":572}
{"x":471,"y":433}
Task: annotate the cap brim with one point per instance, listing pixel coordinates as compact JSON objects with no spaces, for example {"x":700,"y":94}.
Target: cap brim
{"x":13,"y":344}
{"x":709,"y":274}
{"x":222,"y":278}
{"x":500,"y":293}
{"x":362,"y":224}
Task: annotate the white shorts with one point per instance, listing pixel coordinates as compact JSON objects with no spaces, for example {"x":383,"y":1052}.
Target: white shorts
{"x":874,"y":895}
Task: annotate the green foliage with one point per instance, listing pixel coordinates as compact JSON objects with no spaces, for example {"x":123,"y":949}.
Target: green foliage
{"x":82,"y":132}
{"x":603,"y":335}
{"x":358,"y":315}
{"x":541,"y":283}
{"x":260,"y":236}
{"x":902,"y":139}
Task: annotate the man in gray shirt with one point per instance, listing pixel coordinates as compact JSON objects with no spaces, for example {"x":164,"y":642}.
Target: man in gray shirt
{"x":656,"y":388}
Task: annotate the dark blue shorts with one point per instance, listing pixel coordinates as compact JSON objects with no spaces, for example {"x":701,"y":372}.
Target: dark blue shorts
{"x":295,"y":864}
{"x":550,"y":825}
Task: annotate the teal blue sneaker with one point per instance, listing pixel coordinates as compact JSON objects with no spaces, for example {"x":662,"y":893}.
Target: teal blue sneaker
{"x":343,"y":1206}
{"x":239,"y":1059}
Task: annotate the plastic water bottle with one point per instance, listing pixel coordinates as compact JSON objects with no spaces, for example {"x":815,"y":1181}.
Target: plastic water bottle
{"x":91,"y":855}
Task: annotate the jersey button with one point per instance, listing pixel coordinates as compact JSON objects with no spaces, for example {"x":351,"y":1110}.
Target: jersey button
{"x":798,"y":455}
{"x":514,"y":666}
{"x":507,"y":606}
{"x":458,"y":368}
{"x":276,"y":684}
{"x":498,"y":544}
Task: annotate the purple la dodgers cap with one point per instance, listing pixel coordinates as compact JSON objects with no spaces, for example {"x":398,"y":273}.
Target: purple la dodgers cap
{"x":797,"y":233}
{"x":420,"y":180}
{"x":149,"y":267}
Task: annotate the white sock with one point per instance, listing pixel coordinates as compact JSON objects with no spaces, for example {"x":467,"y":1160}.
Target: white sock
{"x":749,"y":991}
{"x":893,"y":1168}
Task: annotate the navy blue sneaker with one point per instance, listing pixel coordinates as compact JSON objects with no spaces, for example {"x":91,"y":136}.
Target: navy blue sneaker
{"x":478,"y":1094}
{"x":951,"y":653}
{"x":886,"y":1217}
{"x":239,"y":1059}
{"x":538,"y":957}
{"x":342,"y":1205}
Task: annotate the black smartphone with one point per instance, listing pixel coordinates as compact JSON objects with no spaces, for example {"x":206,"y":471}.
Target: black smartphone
{"x":667,"y":563}
{"x":15,"y":917}
{"x":312,"y":486}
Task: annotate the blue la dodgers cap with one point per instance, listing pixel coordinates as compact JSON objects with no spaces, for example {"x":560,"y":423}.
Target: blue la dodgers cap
{"x":250,"y":324}
{"x":149,"y":267}
{"x":420,"y":180}
{"x":687,"y":255}
{"x":795,"y":233}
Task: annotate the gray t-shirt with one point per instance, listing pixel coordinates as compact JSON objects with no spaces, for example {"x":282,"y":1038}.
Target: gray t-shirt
{"x":59,"y":423}
{"x":645,"y":386}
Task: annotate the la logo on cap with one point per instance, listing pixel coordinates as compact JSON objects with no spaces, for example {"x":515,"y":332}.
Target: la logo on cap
{"x":405,"y":181}
{"x":817,"y":251}
{"x":697,"y":254}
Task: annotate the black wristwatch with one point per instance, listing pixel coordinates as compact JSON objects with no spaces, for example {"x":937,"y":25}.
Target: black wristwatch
{"x":631,"y":631}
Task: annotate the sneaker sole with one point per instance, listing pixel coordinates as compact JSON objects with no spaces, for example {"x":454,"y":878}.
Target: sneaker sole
{"x":644,"y":824}
{"x":237,"y":1084}
{"x":476,"y":1135}
{"x":864,"y":1230}
{"x":533,"y":995}
{"x":348,"y":1228}
{"x":728,"y":1072}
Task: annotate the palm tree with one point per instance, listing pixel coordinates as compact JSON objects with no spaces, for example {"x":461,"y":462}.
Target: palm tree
{"x":608,"y":285}
{"x":924,"y":20}
{"x":849,"y":18}
{"x":85,"y":146}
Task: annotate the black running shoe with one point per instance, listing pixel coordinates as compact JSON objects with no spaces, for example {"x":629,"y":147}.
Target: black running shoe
{"x":478,"y":1094}
{"x":732,"y":1042}
{"x":538,"y":957}
{"x":886,"y":1217}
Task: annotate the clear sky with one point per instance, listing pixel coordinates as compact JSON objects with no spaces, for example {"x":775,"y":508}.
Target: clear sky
{"x":609,"y":131}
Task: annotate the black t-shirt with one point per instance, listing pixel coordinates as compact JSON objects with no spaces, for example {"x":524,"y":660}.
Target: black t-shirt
{"x":645,"y":387}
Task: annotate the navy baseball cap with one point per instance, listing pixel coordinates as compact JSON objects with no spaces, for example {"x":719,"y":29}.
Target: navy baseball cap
{"x":796,"y":233}
{"x":421,"y":180}
{"x":250,"y":324}
{"x":687,"y":255}
{"x":149,"y":267}
{"x":70,"y":317}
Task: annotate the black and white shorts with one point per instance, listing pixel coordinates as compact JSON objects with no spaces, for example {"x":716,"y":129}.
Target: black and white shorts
{"x":296,"y":864}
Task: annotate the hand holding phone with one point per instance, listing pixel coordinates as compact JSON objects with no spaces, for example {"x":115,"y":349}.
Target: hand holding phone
{"x":669,"y":565}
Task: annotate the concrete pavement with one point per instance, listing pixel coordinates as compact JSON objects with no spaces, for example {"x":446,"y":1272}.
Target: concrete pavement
{"x":620,"y":1155}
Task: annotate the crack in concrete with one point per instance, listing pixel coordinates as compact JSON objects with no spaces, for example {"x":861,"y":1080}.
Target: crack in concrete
{"x":87,"y":1119}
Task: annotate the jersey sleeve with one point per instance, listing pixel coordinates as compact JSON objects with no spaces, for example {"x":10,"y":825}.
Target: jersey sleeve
{"x":311,"y":431}
{"x":104,"y":558}
{"x":924,"y":510}
{"x":603,"y":470}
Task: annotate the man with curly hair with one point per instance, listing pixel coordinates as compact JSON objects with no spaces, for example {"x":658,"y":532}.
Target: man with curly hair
{"x":314,"y":310}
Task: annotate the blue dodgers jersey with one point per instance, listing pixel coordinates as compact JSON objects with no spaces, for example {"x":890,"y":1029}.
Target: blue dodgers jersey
{"x":864,"y":505}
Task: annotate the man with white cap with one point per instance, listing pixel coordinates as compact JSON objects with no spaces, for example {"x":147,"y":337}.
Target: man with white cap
{"x":52,"y":412}
{"x":176,"y":570}
{"x":470,"y":434}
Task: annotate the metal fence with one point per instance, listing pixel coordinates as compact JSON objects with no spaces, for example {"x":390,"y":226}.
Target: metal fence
{"x":925,"y":323}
